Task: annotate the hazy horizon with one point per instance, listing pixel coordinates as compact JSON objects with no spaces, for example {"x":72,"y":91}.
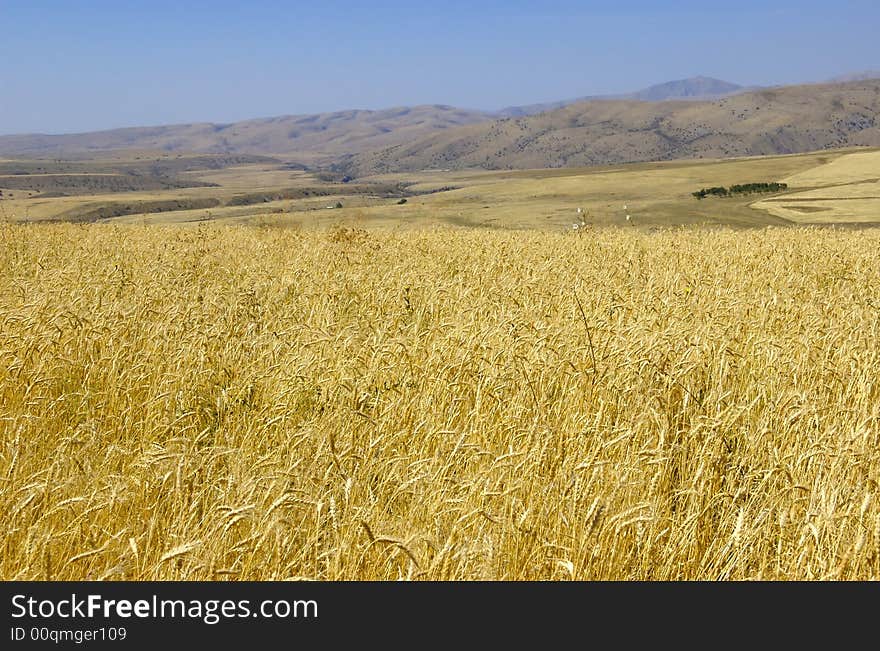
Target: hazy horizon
{"x":107,"y":66}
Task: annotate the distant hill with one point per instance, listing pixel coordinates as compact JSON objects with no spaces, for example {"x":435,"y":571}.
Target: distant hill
{"x":692,"y":88}
{"x":310,"y":139}
{"x":666,"y":121}
{"x":769,"y":121}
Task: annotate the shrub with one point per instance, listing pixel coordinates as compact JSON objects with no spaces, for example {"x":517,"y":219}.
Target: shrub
{"x":745,"y":188}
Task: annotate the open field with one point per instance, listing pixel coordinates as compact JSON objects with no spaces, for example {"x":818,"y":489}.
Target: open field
{"x":269,"y":403}
{"x":656,"y":194}
{"x":170,"y":190}
{"x":846,"y":189}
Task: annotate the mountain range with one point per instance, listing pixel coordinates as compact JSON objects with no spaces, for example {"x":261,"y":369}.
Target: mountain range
{"x":781,"y":120}
{"x":310,"y":139}
{"x":696,"y":117}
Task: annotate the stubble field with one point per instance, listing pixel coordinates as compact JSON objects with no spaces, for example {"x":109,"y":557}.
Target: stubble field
{"x":268,"y":403}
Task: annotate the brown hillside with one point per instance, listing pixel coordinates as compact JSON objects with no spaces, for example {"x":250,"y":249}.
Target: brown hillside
{"x":311,"y":139}
{"x":770,"y":121}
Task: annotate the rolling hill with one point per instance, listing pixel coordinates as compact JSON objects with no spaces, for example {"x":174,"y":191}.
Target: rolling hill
{"x":666,"y":121}
{"x":309,"y":139}
{"x":768,"y":121}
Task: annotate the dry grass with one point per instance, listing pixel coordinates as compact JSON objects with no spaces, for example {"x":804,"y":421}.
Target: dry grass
{"x":262,"y":403}
{"x":845,"y":189}
{"x":657,"y":194}
{"x":850,"y":168}
{"x":843,"y":182}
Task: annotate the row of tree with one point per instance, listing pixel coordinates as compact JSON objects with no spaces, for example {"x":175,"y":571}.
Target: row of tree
{"x":744,"y":188}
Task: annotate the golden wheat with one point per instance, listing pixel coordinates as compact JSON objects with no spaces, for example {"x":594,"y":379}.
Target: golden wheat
{"x":258,"y":403}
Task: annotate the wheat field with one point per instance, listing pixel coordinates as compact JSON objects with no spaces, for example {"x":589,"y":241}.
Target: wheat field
{"x":243,"y":403}
{"x":846,"y":189}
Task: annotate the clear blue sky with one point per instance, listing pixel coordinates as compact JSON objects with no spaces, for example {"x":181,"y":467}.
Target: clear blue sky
{"x":86,"y":65}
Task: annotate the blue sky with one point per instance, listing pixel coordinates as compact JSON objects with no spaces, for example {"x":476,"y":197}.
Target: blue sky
{"x":79,"y":66}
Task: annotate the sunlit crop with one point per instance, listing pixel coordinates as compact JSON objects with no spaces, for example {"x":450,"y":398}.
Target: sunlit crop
{"x":264,"y":403}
